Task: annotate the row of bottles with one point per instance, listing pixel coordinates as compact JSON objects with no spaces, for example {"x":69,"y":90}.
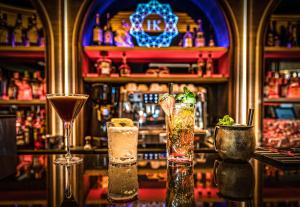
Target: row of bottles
{"x":31,"y":128}
{"x":106,"y":36}
{"x":203,"y":67}
{"x":103,"y":36}
{"x":285,"y":85}
{"x":18,"y":34}
{"x":196,"y":38}
{"x":22,"y":88}
{"x":284,"y":35}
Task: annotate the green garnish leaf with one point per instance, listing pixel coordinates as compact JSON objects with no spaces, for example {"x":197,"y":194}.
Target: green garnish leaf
{"x":226,"y":121}
{"x":186,"y":97}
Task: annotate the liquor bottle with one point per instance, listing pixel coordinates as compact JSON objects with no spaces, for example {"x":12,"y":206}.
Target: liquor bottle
{"x":277,"y":42}
{"x":284,"y":85}
{"x":25,"y":91}
{"x":270,"y":35}
{"x":108,"y":33}
{"x":209,"y":66}
{"x":97,"y":32}
{"x":19,"y":129}
{"x":294,"y":41}
{"x":211,"y":42}
{"x":36,"y":85}
{"x":13,"y":86}
{"x":103,"y":65}
{"x":33,"y":31}
{"x":28,"y":130}
{"x":187,"y":38}
{"x":267,"y":83}
{"x":200,"y":65}
{"x":124,"y":68}
{"x":200,"y":40}
{"x":17,"y":34}
{"x":3,"y":85}
{"x":289,"y":35}
{"x":4,"y":30}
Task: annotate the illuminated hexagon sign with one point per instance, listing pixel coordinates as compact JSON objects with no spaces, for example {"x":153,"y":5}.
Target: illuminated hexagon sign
{"x":153,"y":24}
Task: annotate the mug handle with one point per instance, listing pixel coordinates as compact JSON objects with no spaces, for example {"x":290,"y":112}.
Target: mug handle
{"x":215,"y":136}
{"x":215,"y":171}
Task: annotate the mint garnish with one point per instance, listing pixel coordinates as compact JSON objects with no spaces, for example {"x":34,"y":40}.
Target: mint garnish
{"x":186,"y":97}
{"x":226,"y":121}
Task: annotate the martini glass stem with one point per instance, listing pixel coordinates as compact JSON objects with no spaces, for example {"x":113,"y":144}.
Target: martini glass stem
{"x":68,"y":130}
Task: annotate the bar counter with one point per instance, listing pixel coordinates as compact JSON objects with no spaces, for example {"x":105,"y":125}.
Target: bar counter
{"x":33,"y":179}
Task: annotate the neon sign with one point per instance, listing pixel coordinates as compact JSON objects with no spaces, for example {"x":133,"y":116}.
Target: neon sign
{"x":155,"y":18}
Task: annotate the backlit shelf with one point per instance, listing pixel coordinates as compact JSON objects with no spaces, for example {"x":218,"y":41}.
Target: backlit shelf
{"x":282,"y":52}
{"x":22,"y":102}
{"x":175,"y":79}
{"x":282,"y":100}
{"x":22,"y":52}
{"x":177,"y":54}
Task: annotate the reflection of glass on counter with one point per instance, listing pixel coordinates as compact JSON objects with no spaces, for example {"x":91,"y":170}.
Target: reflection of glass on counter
{"x":180,"y":186}
{"x":122,"y":182}
{"x":234,"y":180}
{"x":68,"y":199}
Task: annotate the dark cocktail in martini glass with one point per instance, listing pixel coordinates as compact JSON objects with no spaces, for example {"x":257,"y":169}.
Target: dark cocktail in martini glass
{"x":67,"y":106}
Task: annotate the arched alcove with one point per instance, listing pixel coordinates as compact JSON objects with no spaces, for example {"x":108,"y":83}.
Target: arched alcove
{"x":210,"y":9}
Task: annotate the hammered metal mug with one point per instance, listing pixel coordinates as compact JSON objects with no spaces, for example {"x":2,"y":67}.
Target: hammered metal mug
{"x":236,"y":143}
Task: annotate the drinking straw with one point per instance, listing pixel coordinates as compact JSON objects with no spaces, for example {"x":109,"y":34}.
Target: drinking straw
{"x":250,"y":117}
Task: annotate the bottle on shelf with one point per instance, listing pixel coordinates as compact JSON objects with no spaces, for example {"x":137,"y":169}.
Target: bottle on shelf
{"x":268,"y":78}
{"x":124,"y":69}
{"x":36,"y":85}
{"x":25,"y":91}
{"x":274,"y":83}
{"x":19,"y":127}
{"x":32,"y":32}
{"x":211,"y":42}
{"x":108,"y":33}
{"x":270,"y":34}
{"x":294,"y":41}
{"x":276,"y":38}
{"x":17,"y":34}
{"x":187,"y":38}
{"x":209,"y":66}
{"x":103,"y":65}
{"x":4,"y":30}
{"x":3,"y":85}
{"x":294,"y":87}
{"x":13,"y":87}
{"x":200,"y":40}
{"x":97,"y":32}
{"x":289,"y":35}
{"x":200,"y":65}
{"x":284,"y":85}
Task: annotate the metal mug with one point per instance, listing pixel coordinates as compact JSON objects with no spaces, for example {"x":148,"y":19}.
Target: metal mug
{"x":235,"y":181}
{"x":236,"y":143}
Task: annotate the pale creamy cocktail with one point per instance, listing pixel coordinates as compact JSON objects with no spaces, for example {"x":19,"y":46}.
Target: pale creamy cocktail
{"x":122,"y":141}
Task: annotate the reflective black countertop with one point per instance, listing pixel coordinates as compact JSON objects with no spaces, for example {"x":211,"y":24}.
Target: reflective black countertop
{"x":33,"y":180}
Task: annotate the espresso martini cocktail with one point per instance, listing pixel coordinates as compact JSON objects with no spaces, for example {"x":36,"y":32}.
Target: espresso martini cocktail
{"x":67,"y":107}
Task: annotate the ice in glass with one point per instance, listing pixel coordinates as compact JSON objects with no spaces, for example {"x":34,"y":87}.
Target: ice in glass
{"x":122,"y":141}
{"x":180,"y":121}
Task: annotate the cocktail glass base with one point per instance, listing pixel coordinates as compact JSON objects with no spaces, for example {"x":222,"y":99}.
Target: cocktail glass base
{"x":68,"y":161}
{"x":121,"y":199}
{"x":175,"y":161}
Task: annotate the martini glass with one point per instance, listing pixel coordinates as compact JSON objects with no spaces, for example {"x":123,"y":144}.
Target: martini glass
{"x":67,"y":106}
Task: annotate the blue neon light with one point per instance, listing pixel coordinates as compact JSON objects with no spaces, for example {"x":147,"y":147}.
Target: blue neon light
{"x":165,"y":12}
